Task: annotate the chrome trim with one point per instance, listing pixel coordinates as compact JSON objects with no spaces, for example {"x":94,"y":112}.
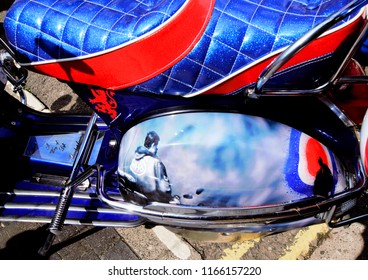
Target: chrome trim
{"x":353,"y":49}
{"x":226,"y":219}
{"x":84,"y":146}
{"x":32,"y":206}
{"x":46,"y":206}
{"x":353,"y":80}
{"x":44,"y":220}
{"x":302,"y":42}
{"x":54,"y":194}
{"x":337,"y":111}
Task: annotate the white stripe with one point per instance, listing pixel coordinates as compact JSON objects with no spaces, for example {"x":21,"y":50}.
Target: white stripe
{"x":176,"y":245}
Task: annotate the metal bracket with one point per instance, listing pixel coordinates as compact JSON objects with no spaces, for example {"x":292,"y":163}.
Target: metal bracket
{"x":356,"y":215}
{"x":73,"y":182}
{"x":16,"y":74}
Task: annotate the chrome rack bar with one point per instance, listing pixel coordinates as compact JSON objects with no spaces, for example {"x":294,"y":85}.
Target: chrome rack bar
{"x":228,"y":219}
{"x":353,"y":80}
{"x":73,"y":182}
{"x":307,"y":38}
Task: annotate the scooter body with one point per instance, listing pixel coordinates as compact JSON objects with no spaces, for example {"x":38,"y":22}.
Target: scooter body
{"x":208,"y":118}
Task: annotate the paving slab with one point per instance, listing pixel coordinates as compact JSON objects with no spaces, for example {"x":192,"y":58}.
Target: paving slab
{"x":344,"y":243}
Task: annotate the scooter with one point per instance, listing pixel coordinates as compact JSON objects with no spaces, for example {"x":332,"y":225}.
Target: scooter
{"x":211,"y":118}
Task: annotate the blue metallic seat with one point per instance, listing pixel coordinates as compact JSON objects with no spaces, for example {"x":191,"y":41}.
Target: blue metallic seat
{"x":47,"y":29}
{"x":82,"y":41}
{"x":243,"y":37}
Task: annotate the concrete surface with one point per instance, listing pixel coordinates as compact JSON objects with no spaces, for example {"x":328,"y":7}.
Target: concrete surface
{"x":22,"y":240}
{"x":343,"y":244}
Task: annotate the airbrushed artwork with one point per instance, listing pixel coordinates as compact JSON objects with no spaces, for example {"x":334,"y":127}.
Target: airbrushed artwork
{"x":224,"y":160}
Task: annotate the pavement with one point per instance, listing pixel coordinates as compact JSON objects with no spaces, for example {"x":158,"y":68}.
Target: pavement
{"x":22,"y":240}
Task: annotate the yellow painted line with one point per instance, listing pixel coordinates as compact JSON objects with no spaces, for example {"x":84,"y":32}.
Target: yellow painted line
{"x":302,"y":241}
{"x":239,"y":249}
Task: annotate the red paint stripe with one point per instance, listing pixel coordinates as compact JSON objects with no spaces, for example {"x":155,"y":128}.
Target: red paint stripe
{"x":143,"y":59}
{"x":318,"y":48}
{"x":314,"y":151}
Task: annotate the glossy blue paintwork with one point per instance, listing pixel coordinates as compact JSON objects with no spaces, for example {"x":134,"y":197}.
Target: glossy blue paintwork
{"x":85,"y":208}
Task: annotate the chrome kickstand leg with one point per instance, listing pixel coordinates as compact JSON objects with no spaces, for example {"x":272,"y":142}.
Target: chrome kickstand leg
{"x":75,"y":180}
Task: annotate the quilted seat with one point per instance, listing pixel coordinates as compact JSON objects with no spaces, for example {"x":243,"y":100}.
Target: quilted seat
{"x":47,"y":29}
{"x":243,"y":37}
{"x":108,"y":43}
{"x":177,"y":47}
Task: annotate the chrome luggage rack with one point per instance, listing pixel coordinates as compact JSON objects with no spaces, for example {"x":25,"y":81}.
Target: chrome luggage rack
{"x":269,"y":218}
{"x":305,"y":40}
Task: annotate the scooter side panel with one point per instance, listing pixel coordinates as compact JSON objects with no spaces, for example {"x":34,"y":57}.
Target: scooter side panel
{"x":224,"y":160}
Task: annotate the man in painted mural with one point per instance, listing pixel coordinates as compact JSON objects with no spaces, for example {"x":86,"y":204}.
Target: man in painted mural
{"x":324,"y":182}
{"x":147,"y":175}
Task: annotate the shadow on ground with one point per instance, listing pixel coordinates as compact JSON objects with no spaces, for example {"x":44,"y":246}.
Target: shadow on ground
{"x":25,"y":245}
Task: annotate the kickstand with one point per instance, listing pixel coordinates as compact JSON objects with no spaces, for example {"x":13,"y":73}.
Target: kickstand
{"x":73,"y":182}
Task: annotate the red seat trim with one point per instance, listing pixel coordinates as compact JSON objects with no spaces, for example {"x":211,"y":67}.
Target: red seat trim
{"x":322,"y":46}
{"x":139,"y":61}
